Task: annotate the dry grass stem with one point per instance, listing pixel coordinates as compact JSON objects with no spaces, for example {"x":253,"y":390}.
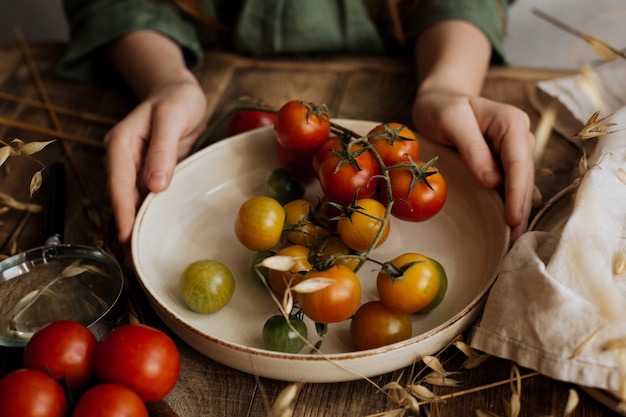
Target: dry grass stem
{"x":435,"y":378}
{"x":582,"y":345}
{"x":589,"y":85}
{"x":543,"y":132}
{"x":8,"y":201}
{"x":619,"y":264}
{"x":284,"y":404}
{"x":572,"y":402}
{"x":597,"y":44}
{"x":595,"y":128}
{"x":621,"y":174}
{"x":89,"y":117}
{"x":50,"y":133}
{"x":515,"y":404}
{"x":485,"y":413}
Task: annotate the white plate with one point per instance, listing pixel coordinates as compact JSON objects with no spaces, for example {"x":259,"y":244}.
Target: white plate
{"x":194,"y":220}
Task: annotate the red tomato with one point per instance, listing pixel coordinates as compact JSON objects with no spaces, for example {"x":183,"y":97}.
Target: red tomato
{"x":245,"y":120}
{"x":31,"y":393}
{"x":341,"y":176}
{"x":421,"y":202}
{"x":374,"y":325}
{"x":298,"y":163}
{"x":335,"y":302}
{"x":301,"y":126}
{"x":141,"y":358}
{"x":110,"y":400}
{"x":394,"y":143}
{"x":65,"y":350}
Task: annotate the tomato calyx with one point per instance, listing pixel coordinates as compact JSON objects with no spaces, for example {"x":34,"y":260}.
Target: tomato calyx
{"x":419,"y":173}
{"x":395,"y":271}
{"x":319,"y":110}
{"x":348,"y":156}
{"x":391,"y":134}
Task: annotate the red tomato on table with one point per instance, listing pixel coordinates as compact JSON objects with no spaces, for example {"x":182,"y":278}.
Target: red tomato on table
{"x":141,"y":358}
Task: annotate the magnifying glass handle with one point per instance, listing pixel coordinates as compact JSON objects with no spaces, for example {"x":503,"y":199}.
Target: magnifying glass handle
{"x":55,"y":223}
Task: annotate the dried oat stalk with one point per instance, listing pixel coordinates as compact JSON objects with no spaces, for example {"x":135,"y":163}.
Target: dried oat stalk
{"x":595,"y":127}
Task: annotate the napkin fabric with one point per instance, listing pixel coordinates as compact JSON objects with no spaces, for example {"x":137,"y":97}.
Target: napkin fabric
{"x":559,"y":303}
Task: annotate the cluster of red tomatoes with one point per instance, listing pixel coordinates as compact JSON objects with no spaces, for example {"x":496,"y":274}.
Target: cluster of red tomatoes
{"x":65,"y":370}
{"x":364,"y":179}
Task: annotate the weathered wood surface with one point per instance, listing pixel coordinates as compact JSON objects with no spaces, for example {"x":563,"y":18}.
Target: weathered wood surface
{"x":356,"y":88}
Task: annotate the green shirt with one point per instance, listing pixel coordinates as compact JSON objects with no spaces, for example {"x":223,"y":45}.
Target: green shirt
{"x":258,"y":27}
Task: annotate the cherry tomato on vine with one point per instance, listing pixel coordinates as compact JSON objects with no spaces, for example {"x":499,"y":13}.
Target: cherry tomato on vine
{"x":259,"y":223}
{"x":301,"y":126}
{"x":359,"y":229}
{"x":110,"y":400}
{"x":206,"y":286}
{"x":255,"y":268}
{"x":335,"y":251}
{"x":374,"y":325}
{"x":245,"y":120}
{"x":410,"y":282}
{"x":279,"y":336}
{"x":280,"y":280}
{"x":342,"y":175}
{"x":393,"y":142}
{"x":302,"y":223}
{"x":31,"y":393}
{"x":335,"y":302}
{"x":299,"y":164}
{"x":65,"y":350}
{"x":141,"y":358}
{"x":283,"y":186}
{"x":420,"y":203}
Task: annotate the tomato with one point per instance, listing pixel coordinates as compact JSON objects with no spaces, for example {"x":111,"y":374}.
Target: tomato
{"x":347,"y":172}
{"x":421,"y":202}
{"x":245,"y":120}
{"x":301,"y":126}
{"x":303,"y":224}
{"x":141,"y":358}
{"x":410,"y":282}
{"x":333,"y":142}
{"x":279,"y":336}
{"x":394,"y":143}
{"x":299,"y":164}
{"x":374,"y":325}
{"x":359,"y":229}
{"x":335,"y":251}
{"x":283,"y":186}
{"x":335,"y":302}
{"x":31,"y":393}
{"x":65,"y":350}
{"x":206,"y":285}
{"x":255,"y":268}
{"x":280,"y":280}
{"x":259,"y":223}
{"x":110,"y":400}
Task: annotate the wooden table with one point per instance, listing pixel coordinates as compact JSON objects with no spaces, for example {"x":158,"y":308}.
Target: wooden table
{"x":356,"y":88}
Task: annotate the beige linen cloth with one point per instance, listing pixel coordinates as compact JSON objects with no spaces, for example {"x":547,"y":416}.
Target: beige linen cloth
{"x":559,"y":303}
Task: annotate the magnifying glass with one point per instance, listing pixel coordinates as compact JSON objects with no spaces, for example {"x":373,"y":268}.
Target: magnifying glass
{"x":58,"y":281}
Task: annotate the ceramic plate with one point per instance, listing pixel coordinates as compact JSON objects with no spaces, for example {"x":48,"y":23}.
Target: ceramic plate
{"x":194,"y":220}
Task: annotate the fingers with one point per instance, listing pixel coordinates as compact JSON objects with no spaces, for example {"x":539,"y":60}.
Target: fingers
{"x":122,"y":164}
{"x":508,"y":130}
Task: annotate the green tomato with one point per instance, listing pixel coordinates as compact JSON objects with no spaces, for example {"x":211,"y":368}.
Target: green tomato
{"x":255,"y":260}
{"x":280,"y":337}
{"x":282,"y":186}
{"x":443,"y":287}
{"x":206,"y":286}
